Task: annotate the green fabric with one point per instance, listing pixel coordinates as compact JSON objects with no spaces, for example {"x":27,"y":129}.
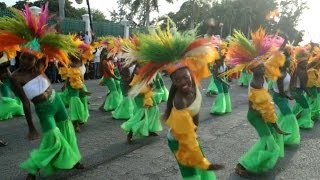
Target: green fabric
{"x":58,"y":148}
{"x":314,"y":103}
{"x":114,"y":98}
{"x":245,"y":78}
{"x":10,"y":107}
{"x":5,"y":88}
{"x":219,"y":104}
{"x":143,"y":121}
{"x":264,"y":154}
{"x":164,"y":89}
{"x":270,"y":84}
{"x":302,"y":108}
{"x":212,"y":88}
{"x":228,"y":103}
{"x":84,"y":100}
{"x":287,"y":120}
{"x":190,"y":172}
{"x":157,"y":95}
{"x":64,"y":97}
{"x":78,"y":110}
{"x":125,"y":109}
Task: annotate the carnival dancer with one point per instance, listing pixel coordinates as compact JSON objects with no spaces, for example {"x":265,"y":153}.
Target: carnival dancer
{"x":298,"y":87}
{"x":38,"y":42}
{"x":9,"y":106}
{"x":314,"y":83}
{"x":109,"y":78}
{"x":261,"y":58}
{"x":281,"y":96}
{"x":222,"y":103}
{"x":186,"y":61}
{"x":146,"y":118}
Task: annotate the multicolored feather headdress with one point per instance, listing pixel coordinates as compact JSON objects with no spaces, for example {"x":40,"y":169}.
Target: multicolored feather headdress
{"x":169,"y":51}
{"x":112,"y":44}
{"x":85,"y":51}
{"x":245,"y":54}
{"x":31,"y":34}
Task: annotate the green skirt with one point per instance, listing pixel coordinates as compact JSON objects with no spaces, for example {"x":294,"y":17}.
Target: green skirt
{"x":78,"y":106}
{"x":114,"y":97}
{"x":302,"y":108}
{"x":190,"y":173}
{"x":143,"y":121}
{"x":212,"y":88}
{"x":5,"y":88}
{"x":64,"y":97}
{"x":287,"y":120}
{"x":10,"y":107}
{"x":314,"y":103}
{"x":158,"y":96}
{"x":222,"y":102}
{"x":125,"y":109}
{"x":245,"y":78}
{"x":264,"y":154}
{"x":58,"y":148}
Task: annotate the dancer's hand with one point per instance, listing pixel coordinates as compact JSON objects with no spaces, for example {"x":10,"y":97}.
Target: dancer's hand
{"x":215,"y":167}
{"x":33,"y":135}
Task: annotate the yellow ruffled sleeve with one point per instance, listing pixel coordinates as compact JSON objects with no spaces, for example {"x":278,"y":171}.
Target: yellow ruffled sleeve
{"x":74,"y":75}
{"x":262,"y":102}
{"x":313,"y":78}
{"x":183,"y":129}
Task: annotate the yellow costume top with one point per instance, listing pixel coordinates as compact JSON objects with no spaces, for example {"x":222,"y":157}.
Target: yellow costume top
{"x":183,"y":130}
{"x":262,"y":102}
{"x":313,"y":78}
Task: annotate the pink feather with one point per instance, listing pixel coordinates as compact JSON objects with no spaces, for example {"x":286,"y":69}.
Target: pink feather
{"x":30,"y":19}
{"x":43,"y":17}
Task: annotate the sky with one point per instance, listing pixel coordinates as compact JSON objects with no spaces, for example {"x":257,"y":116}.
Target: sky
{"x":308,"y":21}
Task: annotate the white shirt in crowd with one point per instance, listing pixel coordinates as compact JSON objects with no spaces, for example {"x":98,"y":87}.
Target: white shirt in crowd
{"x":97,"y":53}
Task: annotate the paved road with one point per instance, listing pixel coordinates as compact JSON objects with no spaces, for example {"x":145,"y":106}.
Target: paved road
{"x":107,"y":155}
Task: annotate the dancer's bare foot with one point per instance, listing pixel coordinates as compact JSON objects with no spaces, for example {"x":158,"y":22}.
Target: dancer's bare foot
{"x":241,"y":171}
{"x":33,"y":135}
{"x":3,"y":143}
{"x":129,"y":137}
{"x":78,"y":166}
{"x":153,"y":134}
{"x":216,"y":167}
{"x":77,"y":126}
{"x":31,"y":177}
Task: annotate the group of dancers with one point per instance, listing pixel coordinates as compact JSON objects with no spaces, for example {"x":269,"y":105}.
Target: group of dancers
{"x":278,"y":73}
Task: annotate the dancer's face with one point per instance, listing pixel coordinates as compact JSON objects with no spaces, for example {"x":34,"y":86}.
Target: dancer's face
{"x":27,"y":61}
{"x":258,"y":70}
{"x":181,"y":78}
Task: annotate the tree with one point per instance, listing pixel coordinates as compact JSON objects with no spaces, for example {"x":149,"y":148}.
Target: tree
{"x":142,"y":8}
{"x":3,"y":5}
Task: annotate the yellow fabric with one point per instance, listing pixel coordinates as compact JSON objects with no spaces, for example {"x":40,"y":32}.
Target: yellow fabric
{"x":273,"y":64}
{"x":74,"y":77}
{"x":313,"y":78}
{"x":146,"y":90}
{"x":183,"y":129}
{"x":262,"y":102}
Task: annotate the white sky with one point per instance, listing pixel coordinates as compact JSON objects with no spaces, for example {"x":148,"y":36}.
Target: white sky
{"x":308,"y":21}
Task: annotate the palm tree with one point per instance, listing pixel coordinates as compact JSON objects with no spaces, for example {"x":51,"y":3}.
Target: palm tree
{"x":146,"y":6}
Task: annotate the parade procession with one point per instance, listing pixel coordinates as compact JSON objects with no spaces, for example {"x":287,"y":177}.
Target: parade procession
{"x":167,"y":101}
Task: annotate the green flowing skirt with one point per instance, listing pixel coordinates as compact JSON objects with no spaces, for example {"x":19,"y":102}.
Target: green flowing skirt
{"x":212,"y":88}
{"x":10,"y":107}
{"x":78,"y":109}
{"x":222,"y":102}
{"x":314,"y":103}
{"x":125,"y":109}
{"x":287,"y":120}
{"x":245,"y":78}
{"x":5,"y":88}
{"x":143,"y":121}
{"x":264,"y":154}
{"x":302,"y":108}
{"x":190,"y":173}
{"x":114,"y":97}
{"x":158,"y":96}
{"x":58,"y":148}
{"x":64,"y":97}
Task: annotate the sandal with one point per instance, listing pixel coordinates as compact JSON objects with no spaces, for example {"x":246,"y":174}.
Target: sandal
{"x":3,"y":143}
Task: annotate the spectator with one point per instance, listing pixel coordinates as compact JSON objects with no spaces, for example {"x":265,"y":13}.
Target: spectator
{"x":87,"y":38}
{"x":96,"y":60}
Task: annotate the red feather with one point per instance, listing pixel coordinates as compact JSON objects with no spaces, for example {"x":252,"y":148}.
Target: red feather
{"x":198,"y":42}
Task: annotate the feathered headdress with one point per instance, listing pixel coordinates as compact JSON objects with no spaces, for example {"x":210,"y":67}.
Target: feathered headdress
{"x":85,"y":51}
{"x":112,"y":44}
{"x":169,"y":51}
{"x":28,"y":33}
{"x":245,"y":54}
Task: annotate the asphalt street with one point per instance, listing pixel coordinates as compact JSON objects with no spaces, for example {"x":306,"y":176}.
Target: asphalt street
{"x":106,"y":155}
